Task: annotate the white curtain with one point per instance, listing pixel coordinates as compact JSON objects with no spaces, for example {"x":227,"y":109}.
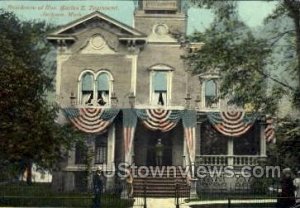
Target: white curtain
{"x":86,"y":97}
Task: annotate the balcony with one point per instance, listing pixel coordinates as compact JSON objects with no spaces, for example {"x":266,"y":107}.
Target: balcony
{"x":227,"y":160}
{"x":160,"y":5}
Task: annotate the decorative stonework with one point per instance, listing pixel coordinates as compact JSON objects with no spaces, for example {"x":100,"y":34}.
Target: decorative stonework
{"x":160,"y":33}
{"x":97,"y":45}
{"x":97,"y":42}
{"x":161,"y":29}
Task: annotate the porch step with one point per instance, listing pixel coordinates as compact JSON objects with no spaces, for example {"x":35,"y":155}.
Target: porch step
{"x":161,"y":185}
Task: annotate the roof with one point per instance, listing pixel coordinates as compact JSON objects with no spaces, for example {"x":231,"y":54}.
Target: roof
{"x":100,"y":16}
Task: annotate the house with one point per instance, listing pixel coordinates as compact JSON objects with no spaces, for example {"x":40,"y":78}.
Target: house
{"x":125,"y":87}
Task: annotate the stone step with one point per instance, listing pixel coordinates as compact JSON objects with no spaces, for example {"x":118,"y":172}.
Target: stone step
{"x":161,"y":185}
{"x":174,"y":180}
{"x":156,"y":193}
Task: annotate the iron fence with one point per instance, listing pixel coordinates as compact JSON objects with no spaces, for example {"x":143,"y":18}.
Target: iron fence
{"x":182,"y":194}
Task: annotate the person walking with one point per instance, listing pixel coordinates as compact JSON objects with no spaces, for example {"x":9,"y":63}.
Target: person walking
{"x":287,"y":196}
{"x":297,"y":187}
{"x":97,"y":187}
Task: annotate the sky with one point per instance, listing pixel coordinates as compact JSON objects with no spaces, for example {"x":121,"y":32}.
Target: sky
{"x":62,"y":12}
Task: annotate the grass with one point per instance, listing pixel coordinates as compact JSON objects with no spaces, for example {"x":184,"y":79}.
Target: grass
{"x":41,"y":195}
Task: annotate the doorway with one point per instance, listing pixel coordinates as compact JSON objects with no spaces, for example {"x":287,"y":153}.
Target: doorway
{"x":145,"y":141}
{"x":167,"y":145}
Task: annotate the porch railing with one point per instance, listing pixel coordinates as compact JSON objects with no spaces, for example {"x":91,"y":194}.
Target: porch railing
{"x":234,"y":160}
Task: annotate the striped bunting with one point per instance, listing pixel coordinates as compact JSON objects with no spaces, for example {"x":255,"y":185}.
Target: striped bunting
{"x":189,"y":120}
{"x":91,"y":120}
{"x":129,"y":125}
{"x":233,"y":123}
{"x":159,"y":119}
{"x":270,"y":130}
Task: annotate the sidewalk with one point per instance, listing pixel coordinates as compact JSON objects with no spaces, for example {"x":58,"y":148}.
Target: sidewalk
{"x":160,"y":203}
{"x":170,"y":202}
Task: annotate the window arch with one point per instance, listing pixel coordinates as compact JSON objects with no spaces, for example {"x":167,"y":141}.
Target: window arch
{"x":159,"y":82}
{"x":95,"y":89}
{"x":103,"y":88}
{"x":87,"y":88}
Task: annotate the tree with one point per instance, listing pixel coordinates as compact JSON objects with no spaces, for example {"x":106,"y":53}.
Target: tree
{"x":248,"y":63}
{"x":28,"y":132}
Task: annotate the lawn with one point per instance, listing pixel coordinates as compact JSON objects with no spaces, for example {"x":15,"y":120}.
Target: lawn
{"x":41,"y":195}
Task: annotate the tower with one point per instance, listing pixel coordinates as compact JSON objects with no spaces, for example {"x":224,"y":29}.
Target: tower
{"x":161,"y":17}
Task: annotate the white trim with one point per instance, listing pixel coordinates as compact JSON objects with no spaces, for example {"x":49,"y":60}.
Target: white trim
{"x":60,"y":59}
{"x":143,"y":106}
{"x":85,"y":71}
{"x":165,"y":44}
{"x":79,"y":83}
{"x":169,"y":87}
{"x":161,"y":67}
{"x":169,"y":75}
{"x":110,"y":147}
{"x":203,"y":102}
{"x":134,"y":59}
{"x":150,"y":87}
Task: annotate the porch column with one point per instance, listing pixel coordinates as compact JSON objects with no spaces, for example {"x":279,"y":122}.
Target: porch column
{"x":185,"y":156}
{"x":110,"y":165}
{"x":230,"y":151}
{"x":111,"y":148}
{"x":71,"y":158}
{"x":262,"y":137}
{"x":198,"y":138}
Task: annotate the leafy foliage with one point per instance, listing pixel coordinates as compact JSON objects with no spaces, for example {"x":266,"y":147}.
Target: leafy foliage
{"x":28,"y":132}
{"x":256,"y":69}
{"x":231,"y":48}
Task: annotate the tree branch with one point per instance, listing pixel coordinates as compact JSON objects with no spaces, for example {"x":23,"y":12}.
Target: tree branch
{"x":279,"y":36}
{"x":275,"y":80}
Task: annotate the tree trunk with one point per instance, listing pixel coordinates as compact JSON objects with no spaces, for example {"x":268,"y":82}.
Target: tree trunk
{"x":29,"y":173}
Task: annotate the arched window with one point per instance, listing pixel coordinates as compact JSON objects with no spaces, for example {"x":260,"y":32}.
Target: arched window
{"x":87,"y":88}
{"x":103,"y":91}
{"x":211,"y":93}
{"x":95,"y":89}
{"x":160,"y":90}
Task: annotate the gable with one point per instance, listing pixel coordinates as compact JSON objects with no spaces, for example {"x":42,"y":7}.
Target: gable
{"x":97,"y":19}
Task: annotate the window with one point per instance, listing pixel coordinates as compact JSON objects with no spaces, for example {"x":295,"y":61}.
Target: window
{"x":212,"y":142}
{"x":103,"y":89}
{"x":101,"y":149}
{"x":159,"y":88}
{"x":95,"y":92}
{"x":248,"y":143}
{"x":80,"y":153}
{"x":87,"y":88}
{"x":211,"y":93}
